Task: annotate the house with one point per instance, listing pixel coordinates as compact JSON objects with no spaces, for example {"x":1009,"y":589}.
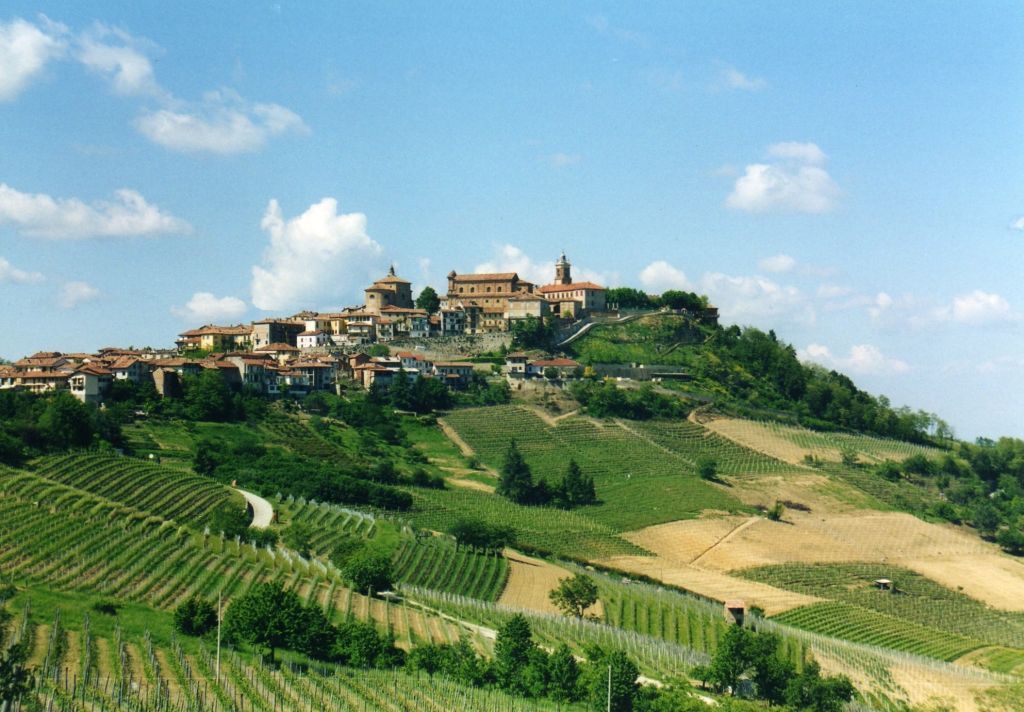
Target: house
{"x":90,"y":382}
{"x":456,"y":374}
{"x":215,"y":338}
{"x":362,"y":327}
{"x":129,"y":368}
{"x":279,"y":351}
{"x":316,"y":339}
{"x":276,"y":331}
{"x":515,"y":364}
{"x":527,"y":305}
{"x":319,"y":374}
{"x":252,"y":369}
{"x":414,"y":362}
{"x":453,"y":322}
{"x":564,"y":367}
{"x":390,"y":290}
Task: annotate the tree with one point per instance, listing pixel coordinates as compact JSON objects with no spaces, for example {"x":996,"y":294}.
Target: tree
{"x":734,"y":657}
{"x":267,"y":616}
{"x":810,"y":691}
{"x":15,"y":677}
{"x":512,"y":650}
{"x":516,"y":482}
{"x":574,"y":595}
{"x":986,"y":517}
{"x":358,"y":644}
{"x":64,"y":422}
{"x":576,"y":488}
{"x":231,"y":519}
{"x":369,"y":570}
{"x":707,"y":468}
{"x":208,"y":397}
{"x":622,"y":672}
{"x":196,"y":616}
{"x":563,"y":675}
{"x":428,"y":300}
{"x":551,"y":373}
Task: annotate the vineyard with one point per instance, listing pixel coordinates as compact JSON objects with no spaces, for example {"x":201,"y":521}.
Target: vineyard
{"x":166,"y":493}
{"x":566,"y":533}
{"x":79,"y":669}
{"x":434,"y":563}
{"x":918,"y":606}
{"x":639,"y":481}
{"x":791,"y":443}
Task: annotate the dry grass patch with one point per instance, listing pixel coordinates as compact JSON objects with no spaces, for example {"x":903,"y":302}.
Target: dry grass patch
{"x":529,"y":582}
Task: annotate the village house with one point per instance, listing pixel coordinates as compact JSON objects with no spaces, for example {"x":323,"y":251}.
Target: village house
{"x":456,"y":374}
{"x":313,"y":340}
{"x":570,"y":299}
{"x":276,"y":331}
{"x":279,"y":351}
{"x":216,"y":338}
{"x":89,"y":382}
{"x":564,"y":367}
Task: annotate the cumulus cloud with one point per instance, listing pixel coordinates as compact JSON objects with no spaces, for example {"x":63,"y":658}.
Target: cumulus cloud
{"x":40,"y":215}
{"x":222,"y":123}
{"x":755,"y":299}
{"x":660,"y":276}
{"x":777,"y":263}
{"x":1018,"y":224}
{"x":72,"y":294}
{"x":206,"y":308}
{"x":976,"y":308}
{"x":793,"y":181}
{"x":863,"y":359}
{"x":119,"y":57}
{"x":735,"y":79}
{"x":25,"y":49}
{"x":509,"y":258}
{"x":317,"y":257}
{"x":9,"y":274}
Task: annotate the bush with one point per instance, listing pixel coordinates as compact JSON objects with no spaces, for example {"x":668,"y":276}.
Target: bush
{"x":368,"y":570}
{"x":196,"y":616}
{"x":707,"y":468}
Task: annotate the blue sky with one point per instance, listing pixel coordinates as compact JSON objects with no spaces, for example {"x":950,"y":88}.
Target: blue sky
{"x":848,"y":174}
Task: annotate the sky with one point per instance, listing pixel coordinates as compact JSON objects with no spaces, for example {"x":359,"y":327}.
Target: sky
{"x":847,"y":174}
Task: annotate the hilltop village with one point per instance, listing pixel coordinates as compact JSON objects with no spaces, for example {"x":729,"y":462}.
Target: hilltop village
{"x":310,"y":351}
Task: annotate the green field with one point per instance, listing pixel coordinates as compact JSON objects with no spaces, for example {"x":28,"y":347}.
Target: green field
{"x":164,"y":492}
{"x":644,"y":474}
{"x":919,"y":605}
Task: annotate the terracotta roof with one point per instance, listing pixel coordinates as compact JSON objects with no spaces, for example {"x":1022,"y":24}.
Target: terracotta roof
{"x":486,"y":277}
{"x":124,"y":362}
{"x":92,"y":368}
{"x":556,"y":363}
{"x":392,"y":279}
{"x":286,"y":322}
{"x":278,"y":346}
{"x":316,"y":332}
{"x":548,"y":288}
{"x":392,"y":309}
{"x":237,"y":330}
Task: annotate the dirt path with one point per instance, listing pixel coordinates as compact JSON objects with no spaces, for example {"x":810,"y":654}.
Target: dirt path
{"x":454,"y":436}
{"x":465,"y":483}
{"x":724,"y":540}
{"x":262,"y":511}
{"x":551,"y":420}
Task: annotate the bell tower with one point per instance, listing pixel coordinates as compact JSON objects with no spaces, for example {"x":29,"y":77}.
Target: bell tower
{"x":563,"y":270}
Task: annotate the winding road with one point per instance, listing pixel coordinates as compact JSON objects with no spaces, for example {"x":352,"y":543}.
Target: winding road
{"x":262,"y":512}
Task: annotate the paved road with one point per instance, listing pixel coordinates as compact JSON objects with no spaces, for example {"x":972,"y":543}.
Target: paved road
{"x":262,"y":512}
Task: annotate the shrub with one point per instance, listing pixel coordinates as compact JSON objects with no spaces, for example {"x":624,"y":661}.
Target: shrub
{"x":196,"y":616}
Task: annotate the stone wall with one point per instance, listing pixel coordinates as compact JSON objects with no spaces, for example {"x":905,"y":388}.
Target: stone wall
{"x":450,"y":346}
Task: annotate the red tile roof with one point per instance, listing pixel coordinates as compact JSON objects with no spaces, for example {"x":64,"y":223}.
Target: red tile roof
{"x":548,"y":288}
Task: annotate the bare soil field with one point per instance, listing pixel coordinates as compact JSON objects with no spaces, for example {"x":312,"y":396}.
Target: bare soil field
{"x":529,"y":582}
{"x":713,"y":584}
{"x":949,"y":555}
{"x":741,"y":432}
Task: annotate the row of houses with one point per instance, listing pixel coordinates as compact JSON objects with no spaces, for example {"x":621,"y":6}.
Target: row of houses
{"x":474,"y":304}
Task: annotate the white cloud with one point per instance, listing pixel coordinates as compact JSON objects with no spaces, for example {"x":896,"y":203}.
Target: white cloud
{"x":756,"y":299}
{"x":222,"y":123}
{"x":509,"y":258}
{"x":794,"y":182}
{"x":863,"y":359}
{"x":660,"y":276}
{"x":777,"y":263}
{"x":561,"y":160}
{"x":25,"y":49}
{"x":802,"y":152}
{"x":317,"y":257}
{"x":206,"y":308}
{"x":1018,"y":224}
{"x":74,"y":293}
{"x":976,"y":308}
{"x":122,"y":61}
{"x":11,"y":274}
{"x":735,"y":79}
{"x":40,"y":215}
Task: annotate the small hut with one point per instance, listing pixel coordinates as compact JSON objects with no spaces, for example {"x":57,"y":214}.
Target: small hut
{"x":884,"y":584}
{"x":735,"y":611}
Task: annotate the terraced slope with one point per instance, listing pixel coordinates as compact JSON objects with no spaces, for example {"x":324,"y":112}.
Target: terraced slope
{"x":162,"y":491}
